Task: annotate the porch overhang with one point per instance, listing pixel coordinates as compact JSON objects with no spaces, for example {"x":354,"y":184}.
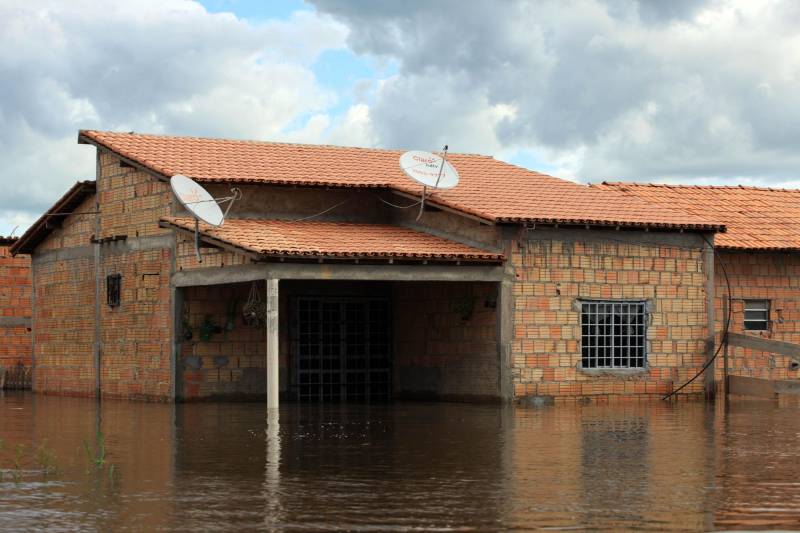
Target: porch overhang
{"x":339,"y":242}
{"x":310,"y":271}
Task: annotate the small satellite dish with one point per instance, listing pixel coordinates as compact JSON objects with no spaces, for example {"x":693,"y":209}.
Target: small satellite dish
{"x":197,"y":200}
{"x":429,"y":169}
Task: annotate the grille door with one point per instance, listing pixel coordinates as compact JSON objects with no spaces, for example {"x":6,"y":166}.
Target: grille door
{"x":342,"y":349}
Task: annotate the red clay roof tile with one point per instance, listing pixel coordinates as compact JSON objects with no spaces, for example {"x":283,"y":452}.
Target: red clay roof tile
{"x":333,"y":239}
{"x":489,"y":189}
{"x":755,"y":218}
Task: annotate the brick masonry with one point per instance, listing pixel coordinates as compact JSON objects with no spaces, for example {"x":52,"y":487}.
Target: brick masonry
{"x":770,"y":276}
{"x":15,"y":306}
{"x":440,"y":348}
{"x":445,"y":340}
{"x":225,"y":361}
{"x":133,"y":342}
{"x":552,"y":272}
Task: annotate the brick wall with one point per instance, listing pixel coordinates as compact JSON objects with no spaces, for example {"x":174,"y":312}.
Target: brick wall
{"x":15,"y":305}
{"x":231,"y":361}
{"x":64,"y":297}
{"x":445,"y":340}
{"x":135,"y":338}
{"x":760,"y":275}
{"x":136,"y":335}
{"x":552,"y":272}
{"x":131,"y":200}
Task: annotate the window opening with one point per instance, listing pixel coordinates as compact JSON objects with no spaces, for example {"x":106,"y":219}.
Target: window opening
{"x":613,"y":334}
{"x":113,"y":289}
{"x":756,"y":315}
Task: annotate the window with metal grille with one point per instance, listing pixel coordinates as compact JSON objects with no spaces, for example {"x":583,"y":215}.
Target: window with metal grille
{"x":756,"y":314}
{"x":613,"y":334}
{"x":113,"y":289}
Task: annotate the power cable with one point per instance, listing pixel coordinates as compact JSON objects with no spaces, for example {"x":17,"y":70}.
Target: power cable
{"x":724,"y":338}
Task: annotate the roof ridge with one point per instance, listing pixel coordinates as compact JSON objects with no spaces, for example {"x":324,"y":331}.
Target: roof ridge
{"x":262,"y":142}
{"x":693,"y":186}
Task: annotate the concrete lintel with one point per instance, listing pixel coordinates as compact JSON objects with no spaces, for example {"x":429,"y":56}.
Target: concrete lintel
{"x":219,"y":275}
{"x":599,"y":235}
{"x":385,"y":272}
{"x":243,"y":273}
{"x":63,"y":254}
{"x":139,"y":244}
{"x":15,"y":321}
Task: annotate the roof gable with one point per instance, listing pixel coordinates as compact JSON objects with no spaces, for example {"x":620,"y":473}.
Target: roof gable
{"x":489,"y":189}
{"x":27,"y":243}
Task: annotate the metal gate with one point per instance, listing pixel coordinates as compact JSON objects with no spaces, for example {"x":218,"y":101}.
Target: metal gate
{"x":342,"y":349}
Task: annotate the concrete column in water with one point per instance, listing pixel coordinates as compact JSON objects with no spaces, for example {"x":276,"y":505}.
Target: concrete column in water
{"x":273,"y":343}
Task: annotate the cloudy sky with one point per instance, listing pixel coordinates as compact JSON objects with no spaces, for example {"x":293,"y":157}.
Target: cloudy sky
{"x":648,"y":90}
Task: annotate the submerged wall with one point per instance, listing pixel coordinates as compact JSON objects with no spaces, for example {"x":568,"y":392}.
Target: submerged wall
{"x":15,"y":308}
{"x":445,"y":340}
{"x":772,"y":276}
{"x":555,"y":268}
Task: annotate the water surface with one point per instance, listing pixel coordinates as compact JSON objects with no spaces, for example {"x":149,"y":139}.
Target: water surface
{"x":399,"y":467}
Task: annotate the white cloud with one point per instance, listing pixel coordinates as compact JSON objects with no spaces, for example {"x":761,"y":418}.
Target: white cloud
{"x":621,"y":89}
{"x":145,"y":65}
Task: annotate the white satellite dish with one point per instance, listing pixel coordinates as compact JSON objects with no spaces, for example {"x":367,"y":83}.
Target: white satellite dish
{"x":201,"y":205}
{"x":429,"y":169}
{"x":197,"y":200}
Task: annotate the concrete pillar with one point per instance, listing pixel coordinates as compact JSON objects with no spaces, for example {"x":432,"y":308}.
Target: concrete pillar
{"x":273,"y":343}
{"x":710,"y":376}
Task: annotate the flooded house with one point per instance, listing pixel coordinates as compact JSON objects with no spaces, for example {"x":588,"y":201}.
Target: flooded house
{"x":331,"y":280}
{"x":757,"y":269}
{"x":15,"y":317}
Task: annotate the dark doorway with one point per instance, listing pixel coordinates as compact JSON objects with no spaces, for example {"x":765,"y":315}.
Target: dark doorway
{"x":342,"y":349}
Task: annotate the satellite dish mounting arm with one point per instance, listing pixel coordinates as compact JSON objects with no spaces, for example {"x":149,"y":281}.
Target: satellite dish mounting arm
{"x":438,"y":178}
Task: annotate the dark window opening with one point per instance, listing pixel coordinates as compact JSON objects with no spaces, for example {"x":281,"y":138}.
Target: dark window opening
{"x":113,"y":289}
{"x":342,"y":349}
{"x":756,"y":315}
{"x":613,"y":334}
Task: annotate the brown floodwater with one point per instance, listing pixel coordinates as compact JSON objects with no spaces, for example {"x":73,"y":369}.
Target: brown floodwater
{"x":74,"y":464}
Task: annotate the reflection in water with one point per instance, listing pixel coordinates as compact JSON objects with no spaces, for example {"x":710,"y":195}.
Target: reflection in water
{"x":649,"y":466}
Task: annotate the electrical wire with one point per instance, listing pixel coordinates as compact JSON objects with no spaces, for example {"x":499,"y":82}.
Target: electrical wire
{"x":724,"y":338}
{"x":395,"y":205}
{"x":322,"y":212}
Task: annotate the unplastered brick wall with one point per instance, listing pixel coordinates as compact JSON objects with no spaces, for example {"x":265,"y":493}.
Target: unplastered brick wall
{"x":136,"y":335}
{"x":15,"y":306}
{"x":553,"y":272}
{"x":445,"y":340}
{"x":72,"y":231}
{"x":63,"y":326}
{"x":760,"y":276}
{"x":220,"y":355}
{"x":131,"y":201}
{"x":212,"y":257}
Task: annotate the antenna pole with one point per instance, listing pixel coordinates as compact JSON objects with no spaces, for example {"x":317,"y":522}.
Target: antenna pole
{"x":436,"y":186}
{"x":197,"y":240}
{"x":441,"y":168}
{"x":422,"y":202}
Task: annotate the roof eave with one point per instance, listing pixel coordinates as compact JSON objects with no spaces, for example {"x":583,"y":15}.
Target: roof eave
{"x":27,"y":243}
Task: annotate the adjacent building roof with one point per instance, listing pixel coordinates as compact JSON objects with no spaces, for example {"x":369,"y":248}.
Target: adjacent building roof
{"x":60,"y":210}
{"x":755,"y":218}
{"x":316,"y":239}
{"x":490,"y":189}
{"x":7,"y":241}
